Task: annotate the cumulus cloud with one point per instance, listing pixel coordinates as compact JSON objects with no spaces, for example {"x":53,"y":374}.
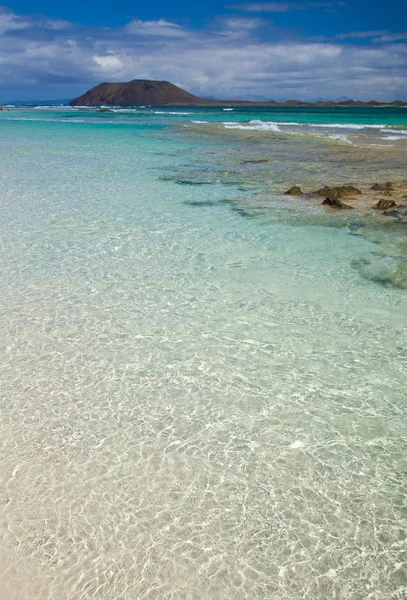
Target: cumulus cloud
{"x":229,"y":58}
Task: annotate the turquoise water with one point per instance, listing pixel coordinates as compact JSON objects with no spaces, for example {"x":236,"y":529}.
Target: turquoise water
{"x":203,"y":380}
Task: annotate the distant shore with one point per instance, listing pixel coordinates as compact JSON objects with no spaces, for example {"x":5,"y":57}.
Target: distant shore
{"x":271,"y":103}
{"x":144,"y":92}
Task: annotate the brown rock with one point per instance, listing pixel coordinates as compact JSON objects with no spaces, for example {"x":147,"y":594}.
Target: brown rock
{"x":334,"y":202}
{"x":341,"y":191}
{"x":384,"y":204}
{"x":382,"y":187}
{"x":295,"y":190}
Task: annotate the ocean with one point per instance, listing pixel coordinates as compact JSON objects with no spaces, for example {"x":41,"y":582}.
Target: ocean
{"x":203,"y":380}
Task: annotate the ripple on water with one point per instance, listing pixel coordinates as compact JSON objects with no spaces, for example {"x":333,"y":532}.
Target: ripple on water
{"x":194,"y":405}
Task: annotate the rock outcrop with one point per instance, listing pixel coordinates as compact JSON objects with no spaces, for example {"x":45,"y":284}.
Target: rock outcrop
{"x":382,"y":187}
{"x":334,"y":202}
{"x":295,"y":190}
{"x":364,"y":200}
{"x":340,"y":191}
{"x":139,"y":92}
{"x":384,"y":204}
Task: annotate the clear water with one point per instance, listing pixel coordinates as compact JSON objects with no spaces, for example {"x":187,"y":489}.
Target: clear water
{"x":203,"y":382}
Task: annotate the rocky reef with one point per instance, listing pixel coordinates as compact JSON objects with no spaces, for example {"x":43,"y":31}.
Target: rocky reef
{"x":364,"y":198}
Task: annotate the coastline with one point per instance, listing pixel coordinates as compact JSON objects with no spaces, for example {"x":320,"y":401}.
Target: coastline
{"x":203,"y":378}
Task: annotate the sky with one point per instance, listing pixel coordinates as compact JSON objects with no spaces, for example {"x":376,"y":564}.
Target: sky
{"x":303,"y":49}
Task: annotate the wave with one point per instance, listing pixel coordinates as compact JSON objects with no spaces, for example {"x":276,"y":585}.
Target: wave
{"x":393,"y":130}
{"x":199,"y":122}
{"x":162,"y":112}
{"x":339,"y":136}
{"x":253,"y":125}
{"x":393,"y":137}
{"x":52,"y":107}
{"x":346,"y":125}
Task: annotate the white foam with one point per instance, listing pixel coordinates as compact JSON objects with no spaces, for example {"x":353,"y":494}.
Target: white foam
{"x":287,"y":123}
{"x":53,"y":107}
{"x":394,"y":130}
{"x":228,"y":109}
{"x":199,"y":122}
{"x":253,"y":125}
{"x":339,"y":136}
{"x":346,"y":125}
{"x":393,"y":137}
{"x":162,"y":112}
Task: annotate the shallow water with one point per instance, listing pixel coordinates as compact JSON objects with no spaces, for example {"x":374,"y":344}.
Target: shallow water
{"x":203,"y":381}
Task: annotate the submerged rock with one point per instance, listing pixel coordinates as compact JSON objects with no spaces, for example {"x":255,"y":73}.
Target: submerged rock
{"x":384,"y":204}
{"x":336,"y":203}
{"x":255,"y":161}
{"x":382,"y":187}
{"x":399,"y":211}
{"x":341,"y":191}
{"x":387,"y":271}
{"x":295,"y":190}
{"x":332,"y":199}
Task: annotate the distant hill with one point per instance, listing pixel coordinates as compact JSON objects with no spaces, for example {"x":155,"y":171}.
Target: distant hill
{"x":144,"y":92}
{"x":139,"y":92}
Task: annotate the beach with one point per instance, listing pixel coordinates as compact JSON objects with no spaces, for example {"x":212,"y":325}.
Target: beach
{"x":203,"y":379}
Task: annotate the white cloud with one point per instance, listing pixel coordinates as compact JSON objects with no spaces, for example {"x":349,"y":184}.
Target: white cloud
{"x":281,"y":7}
{"x":9,"y":21}
{"x":354,"y":35}
{"x":392,"y":37}
{"x":109,"y":63}
{"x":160,"y":28}
{"x":229,"y":58}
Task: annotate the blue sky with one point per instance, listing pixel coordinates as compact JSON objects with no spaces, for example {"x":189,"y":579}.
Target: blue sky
{"x":276,"y":50}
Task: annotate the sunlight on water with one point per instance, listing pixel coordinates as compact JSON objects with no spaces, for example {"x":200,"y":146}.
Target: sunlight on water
{"x":203,"y":384}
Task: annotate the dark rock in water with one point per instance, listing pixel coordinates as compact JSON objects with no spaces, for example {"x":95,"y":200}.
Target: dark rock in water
{"x":333,"y":201}
{"x":382,"y":187}
{"x":341,"y":191}
{"x":295,"y":190}
{"x":103,"y":110}
{"x":191,"y":182}
{"x":256,"y":161}
{"x":200,"y":203}
{"x":387,"y":271}
{"x":384,"y":204}
{"x":399,"y":211}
